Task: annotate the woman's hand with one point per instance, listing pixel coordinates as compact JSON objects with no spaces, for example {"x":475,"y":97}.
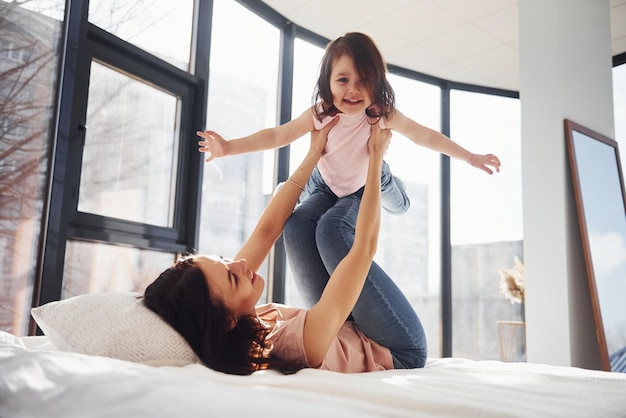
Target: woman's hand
{"x":483,"y":162}
{"x":213,"y":143}
{"x":319,"y":138}
{"x":378,"y":141}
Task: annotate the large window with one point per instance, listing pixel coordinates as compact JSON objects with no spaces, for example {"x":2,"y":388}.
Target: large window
{"x":307,"y":58}
{"x":129,"y":173}
{"x":410,"y":244}
{"x":486,"y":221}
{"x":30,"y":37}
{"x":242,"y":99}
{"x":122,"y":183}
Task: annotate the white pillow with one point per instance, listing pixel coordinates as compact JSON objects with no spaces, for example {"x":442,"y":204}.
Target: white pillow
{"x":116,"y":325}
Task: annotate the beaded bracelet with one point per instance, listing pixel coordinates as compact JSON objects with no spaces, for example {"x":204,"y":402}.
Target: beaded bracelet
{"x":296,"y":184}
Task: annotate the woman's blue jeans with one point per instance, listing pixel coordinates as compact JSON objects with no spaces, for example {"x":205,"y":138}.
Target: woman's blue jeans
{"x":317,"y":236}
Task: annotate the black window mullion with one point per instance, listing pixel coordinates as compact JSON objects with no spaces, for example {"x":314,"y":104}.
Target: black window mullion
{"x":446,"y":248}
{"x":193,"y":166}
{"x":130,"y":58}
{"x":67,"y":135}
{"x":282,"y":171}
{"x":92,"y":227}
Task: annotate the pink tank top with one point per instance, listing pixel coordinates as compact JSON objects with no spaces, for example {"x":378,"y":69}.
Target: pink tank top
{"x":344,"y":163}
{"x":350,"y":352}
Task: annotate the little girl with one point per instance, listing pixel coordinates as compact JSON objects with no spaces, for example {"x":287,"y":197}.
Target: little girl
{"x":353,"y":87}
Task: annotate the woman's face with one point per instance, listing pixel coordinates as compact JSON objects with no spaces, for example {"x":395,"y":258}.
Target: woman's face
{"x":350,"y":94}
{"x":232,"y":283}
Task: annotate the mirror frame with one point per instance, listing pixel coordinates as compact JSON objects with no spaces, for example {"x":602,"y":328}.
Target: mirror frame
{"x":570,"y":128}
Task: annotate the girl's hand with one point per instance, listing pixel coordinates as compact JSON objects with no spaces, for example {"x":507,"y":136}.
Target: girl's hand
{"x":213,"y":143}
{"x":484,"y":161}
{"x":378,"y":141}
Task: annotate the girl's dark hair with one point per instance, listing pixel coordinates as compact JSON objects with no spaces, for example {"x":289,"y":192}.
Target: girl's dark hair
{"x":371,"y":68}
{"x":181,"y":296}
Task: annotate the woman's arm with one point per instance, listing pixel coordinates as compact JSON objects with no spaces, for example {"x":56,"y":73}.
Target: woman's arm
{"x":270,"y":225}
{"x":436,"y":141}
{"x":270,"y":138}
{"x":326,"y":317}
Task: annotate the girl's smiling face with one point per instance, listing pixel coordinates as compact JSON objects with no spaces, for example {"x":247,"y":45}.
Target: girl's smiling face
{"x":350,"y":94}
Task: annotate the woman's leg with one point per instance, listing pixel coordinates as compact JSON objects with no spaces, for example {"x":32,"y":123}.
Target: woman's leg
{"x":393,"y":193}
{"x":310,"y":274}
{"x":382,"y":311}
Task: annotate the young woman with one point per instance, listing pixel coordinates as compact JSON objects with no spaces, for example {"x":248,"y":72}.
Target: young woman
{"x":211,"y":301}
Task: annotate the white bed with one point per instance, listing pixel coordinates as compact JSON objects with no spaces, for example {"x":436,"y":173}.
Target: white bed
{"x":39,"y":379}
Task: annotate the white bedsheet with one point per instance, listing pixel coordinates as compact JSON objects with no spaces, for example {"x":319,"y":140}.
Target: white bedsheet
{"x":38,"y":381}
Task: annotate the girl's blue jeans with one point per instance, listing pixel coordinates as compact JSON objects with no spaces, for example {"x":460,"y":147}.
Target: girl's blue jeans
{"x":392,"y":191}
{"x":317,"y":236}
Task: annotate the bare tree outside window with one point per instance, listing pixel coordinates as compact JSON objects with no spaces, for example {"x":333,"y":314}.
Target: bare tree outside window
{"x":29,"y":37}
{"x":161,"y":27}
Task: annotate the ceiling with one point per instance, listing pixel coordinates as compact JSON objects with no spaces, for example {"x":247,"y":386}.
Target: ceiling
{"x":473,"y":41}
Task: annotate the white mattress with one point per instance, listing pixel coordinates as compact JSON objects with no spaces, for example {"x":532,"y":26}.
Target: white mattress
{"x":38,"y":380}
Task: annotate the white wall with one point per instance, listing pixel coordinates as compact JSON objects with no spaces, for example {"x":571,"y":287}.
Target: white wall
{"x":565,"y":72}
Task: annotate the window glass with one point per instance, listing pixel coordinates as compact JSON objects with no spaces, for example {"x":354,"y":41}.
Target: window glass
{"x":92,"y":268}
{"x":486,"y":221}
{"x":243,"y":86}
{"x":619,"y":106}
{"x":148,"y":24}
{"x":129,"y":157}
{"x":30,"y":37}
{"x":306,"y":61}
{"x":410,"y":244}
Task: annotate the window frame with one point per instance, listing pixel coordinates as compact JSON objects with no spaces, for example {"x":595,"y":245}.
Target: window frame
{"x":84,"y":42}
{"x":105,"y":48}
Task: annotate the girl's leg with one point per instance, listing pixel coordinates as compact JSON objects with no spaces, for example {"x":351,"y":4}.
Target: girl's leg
{"x":393,"y":193}
{"x":310,"y":274}
{"x":382,"y":311}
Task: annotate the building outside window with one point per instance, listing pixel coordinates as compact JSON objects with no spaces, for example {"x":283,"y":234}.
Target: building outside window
{"x":30,"y":37}
{"x":486,"y":221}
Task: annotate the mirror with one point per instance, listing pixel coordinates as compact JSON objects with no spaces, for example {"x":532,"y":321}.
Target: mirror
{"x":601,"y":204}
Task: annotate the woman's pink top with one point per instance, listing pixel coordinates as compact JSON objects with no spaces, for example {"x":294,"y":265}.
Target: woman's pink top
{"x":350,"y":352}
{"x":344,"y":163}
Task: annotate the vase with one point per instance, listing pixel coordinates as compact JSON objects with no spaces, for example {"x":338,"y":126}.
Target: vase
{"x":512,"y":338}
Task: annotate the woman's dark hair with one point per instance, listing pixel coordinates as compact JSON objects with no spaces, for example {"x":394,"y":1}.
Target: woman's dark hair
{"x":371,"y":68}
{"x":181,"y":296}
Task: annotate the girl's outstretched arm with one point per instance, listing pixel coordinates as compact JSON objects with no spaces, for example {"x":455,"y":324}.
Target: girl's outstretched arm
{"x":436,"y":141}
{"x":326,"y":317}
{"x":216,"y":146}
{"x":270,"y":225}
